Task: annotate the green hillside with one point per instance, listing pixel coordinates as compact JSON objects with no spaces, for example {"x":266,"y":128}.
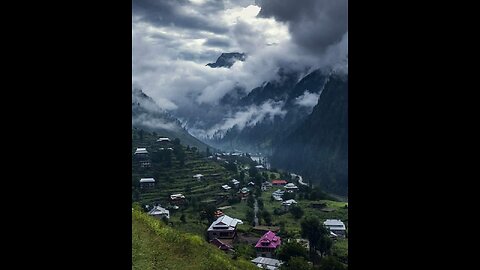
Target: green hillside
{"x":174,"y":170}
{"x":157,"y":246}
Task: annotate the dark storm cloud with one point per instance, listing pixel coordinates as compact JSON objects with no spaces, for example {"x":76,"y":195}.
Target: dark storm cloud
{"x":218,"y":42}
{"x":179,"y":13}
{"x":313,"y":24}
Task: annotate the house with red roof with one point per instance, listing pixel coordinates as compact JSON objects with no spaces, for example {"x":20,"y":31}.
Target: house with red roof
{"x":267,"y":244}
{"x":279,"y":182}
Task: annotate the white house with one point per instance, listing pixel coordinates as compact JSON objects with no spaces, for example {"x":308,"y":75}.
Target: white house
{"x":163,"y":139}
{"x":177,"y":197}
{"x":226,"y":187}
{"x":198,"y":176}
{"x":336,"y":227}
{"x":286,"y":204}
{"x":147,"y":183}
{"x":223,"y":227}
{"x":235,"y":182}
{"x":267,"y":263}
{"x":159,"y":212}
{"x":141,"y":154}
{"x":291,"y":187}
{"x":277,"y":195}
{"x":140,"y":151}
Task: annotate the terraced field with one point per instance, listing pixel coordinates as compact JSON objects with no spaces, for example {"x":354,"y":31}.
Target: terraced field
{"x":176,"y":178}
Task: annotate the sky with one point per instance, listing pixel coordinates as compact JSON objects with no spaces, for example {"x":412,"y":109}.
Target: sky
{"x":173,"y":40}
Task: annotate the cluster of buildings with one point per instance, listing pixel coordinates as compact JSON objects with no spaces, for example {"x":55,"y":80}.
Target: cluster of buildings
{"x":223,"y":231}
{"x":234,"y":183}
{"x":287,"y":187}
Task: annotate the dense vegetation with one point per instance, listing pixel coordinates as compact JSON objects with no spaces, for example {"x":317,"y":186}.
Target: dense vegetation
{"x":320,"y":144}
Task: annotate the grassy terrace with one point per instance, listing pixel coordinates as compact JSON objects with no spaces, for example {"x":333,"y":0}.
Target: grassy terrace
{"x":176,"y":178}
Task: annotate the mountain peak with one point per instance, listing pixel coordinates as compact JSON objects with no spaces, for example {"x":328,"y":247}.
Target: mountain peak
{"x":227,"y":59}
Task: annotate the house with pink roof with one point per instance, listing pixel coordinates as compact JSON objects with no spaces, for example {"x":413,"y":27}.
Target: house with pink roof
{"x":267,"y":244}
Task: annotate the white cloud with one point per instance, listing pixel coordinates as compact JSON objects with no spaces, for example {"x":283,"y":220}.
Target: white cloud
{"x":168,"y":59}
{"x":153,"y":123}
{"x":248,"y":117}
{"x":308,"y":99}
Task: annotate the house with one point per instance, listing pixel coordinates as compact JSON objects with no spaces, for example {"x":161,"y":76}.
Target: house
{"x":163,"y":139}
{"x":226,"y":187}
{"x":198,"y":176}
{"x":177,"y":198}
{"x":244,"y":192}
{"x":277,"y":195}
{"x":279,"y":182}
{"x":286,"y":204}
{"x":235,"y":182}
{"x":145,"y":164}
{"x":277,"y":198}
{"x":251,"y":183}
{"x":266,"y":185}
{"x":141,"y":154}
{"x":267,"y":263}
{"x":267,"y":244}
{"x":159,"y":212}
{"x":336,"y":227}
{"x":147,"y":183}
{"x":141,"y":151}
{"x":291,"y":187}
{"x":260,"y":167}
{"x":223,"y":227}
{"x":221,"y":245}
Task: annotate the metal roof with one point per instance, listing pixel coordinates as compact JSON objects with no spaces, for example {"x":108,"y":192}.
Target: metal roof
{"x":334,"y":224}
{"x":225,"y":223}
{"x":158,"y":210}
{"x":147,"y":180}
{"x":289,"y":202}
{"x":141,"y":151}
{"x":267,"y":261}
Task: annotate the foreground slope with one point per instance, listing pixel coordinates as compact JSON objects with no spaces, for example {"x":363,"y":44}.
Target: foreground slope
{"x":157,"y":246}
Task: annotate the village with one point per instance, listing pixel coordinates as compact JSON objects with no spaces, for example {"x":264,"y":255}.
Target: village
{"x":240,"y":207}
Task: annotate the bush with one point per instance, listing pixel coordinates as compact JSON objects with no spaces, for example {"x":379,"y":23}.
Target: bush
{"x":330,"y":263}
{"x":291,"y":249}
{"x":297,"y":212}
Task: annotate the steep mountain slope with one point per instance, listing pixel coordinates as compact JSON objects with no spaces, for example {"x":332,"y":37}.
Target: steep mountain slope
{"x":157,"y":246}
{"x":284,"y":93}
{"x":147,"y":115}
{"x":318,"y":148}
{"x":227,"y":60}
